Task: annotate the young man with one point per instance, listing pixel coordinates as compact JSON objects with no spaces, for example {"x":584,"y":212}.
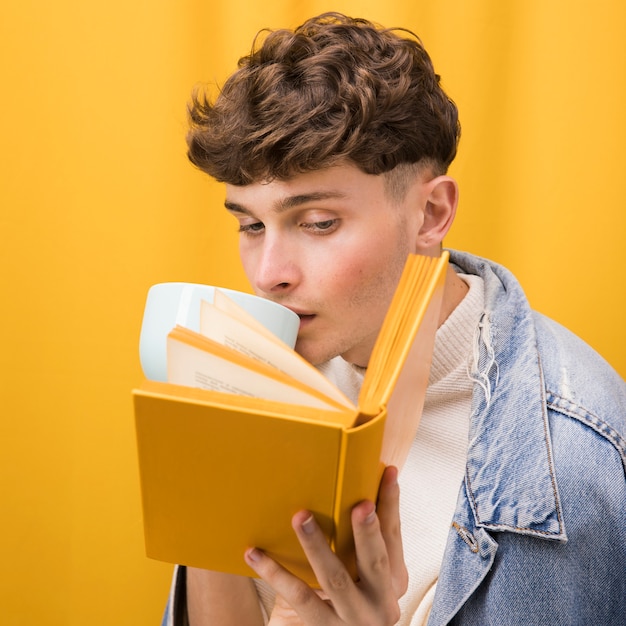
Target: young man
{"x":334,"y":141}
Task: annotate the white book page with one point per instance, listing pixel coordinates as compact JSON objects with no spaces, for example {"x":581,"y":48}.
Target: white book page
{"x":193,"y":367}
{"x":222,"y":302}
{"x":235,"y":332}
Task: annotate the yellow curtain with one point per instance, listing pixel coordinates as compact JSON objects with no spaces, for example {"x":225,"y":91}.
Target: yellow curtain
{"x":97,"y":202}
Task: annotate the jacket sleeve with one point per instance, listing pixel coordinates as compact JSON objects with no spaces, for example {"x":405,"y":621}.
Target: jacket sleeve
{"x":176,"y":610}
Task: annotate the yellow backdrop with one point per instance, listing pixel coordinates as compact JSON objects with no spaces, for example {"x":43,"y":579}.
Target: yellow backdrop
{"x":97,"y":202}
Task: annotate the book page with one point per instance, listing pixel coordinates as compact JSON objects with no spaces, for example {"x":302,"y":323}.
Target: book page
{"x":197,"y":361}
{"x":411,"y":304}
{"x":238,"y":330}
{"x":258,"y":406}
{"x":222,"y":302}
{"x":404,"y":408}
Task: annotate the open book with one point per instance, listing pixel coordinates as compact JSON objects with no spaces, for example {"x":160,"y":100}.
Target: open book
{"x":245,"y":432}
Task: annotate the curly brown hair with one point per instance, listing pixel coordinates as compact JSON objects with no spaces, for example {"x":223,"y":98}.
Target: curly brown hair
{"x":335,"y":89}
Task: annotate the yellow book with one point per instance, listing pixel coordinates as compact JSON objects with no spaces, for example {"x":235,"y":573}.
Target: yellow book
{"x":245,"y":433}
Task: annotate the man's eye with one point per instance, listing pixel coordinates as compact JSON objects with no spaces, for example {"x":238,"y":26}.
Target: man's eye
{"x":251,"y":229}
{"x":321,"y":227}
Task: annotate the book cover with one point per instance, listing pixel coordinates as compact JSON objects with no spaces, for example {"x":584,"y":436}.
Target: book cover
{"x":246,"y":433}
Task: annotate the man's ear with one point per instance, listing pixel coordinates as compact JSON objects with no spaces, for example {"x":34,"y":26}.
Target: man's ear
{"x":442,"y":196}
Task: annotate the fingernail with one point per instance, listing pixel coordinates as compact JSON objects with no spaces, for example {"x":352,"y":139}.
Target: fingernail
{"x":308,"y":526}
{"x":371,"y":517}
{"x":253,"y":555}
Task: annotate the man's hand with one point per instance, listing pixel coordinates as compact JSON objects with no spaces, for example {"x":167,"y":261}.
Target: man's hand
{"x":373,"y":598}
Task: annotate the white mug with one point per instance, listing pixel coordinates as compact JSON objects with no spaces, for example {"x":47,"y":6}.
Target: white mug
{"x":171,"y":304}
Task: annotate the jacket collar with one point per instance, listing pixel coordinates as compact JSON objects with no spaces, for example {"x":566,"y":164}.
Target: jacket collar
{"x":510,"y":477}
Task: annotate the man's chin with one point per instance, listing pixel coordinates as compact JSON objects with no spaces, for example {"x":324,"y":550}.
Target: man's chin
{"x":316,"y":356}
{"x":313,"y":356}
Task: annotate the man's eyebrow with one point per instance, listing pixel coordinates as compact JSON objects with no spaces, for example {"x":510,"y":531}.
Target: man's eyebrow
{"x":235,"y":208}
{"x":290,"y":202}
{"x":294,"y":201}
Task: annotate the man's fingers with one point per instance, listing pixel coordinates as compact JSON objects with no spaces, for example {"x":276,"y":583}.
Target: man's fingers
{"x":389,"y":517}
{"x":303,"y":599}
{"x":330,"y":572}
{"x":372,"y":556}
{"x":283,"y":614}
{"x":380,"y":562}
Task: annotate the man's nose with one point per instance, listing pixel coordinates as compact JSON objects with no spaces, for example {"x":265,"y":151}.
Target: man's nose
{"x":277,"y":268}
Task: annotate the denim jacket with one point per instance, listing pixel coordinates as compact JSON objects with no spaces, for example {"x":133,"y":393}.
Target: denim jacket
{"x":539,"y":531}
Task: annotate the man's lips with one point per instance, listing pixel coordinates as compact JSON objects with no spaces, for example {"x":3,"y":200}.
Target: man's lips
{"x":305,"y":320}
{"x":304,"y":317}
{"x":297,"y":311}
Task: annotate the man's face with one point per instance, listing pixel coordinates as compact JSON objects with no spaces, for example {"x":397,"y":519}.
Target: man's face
{"x":331,"y":246}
